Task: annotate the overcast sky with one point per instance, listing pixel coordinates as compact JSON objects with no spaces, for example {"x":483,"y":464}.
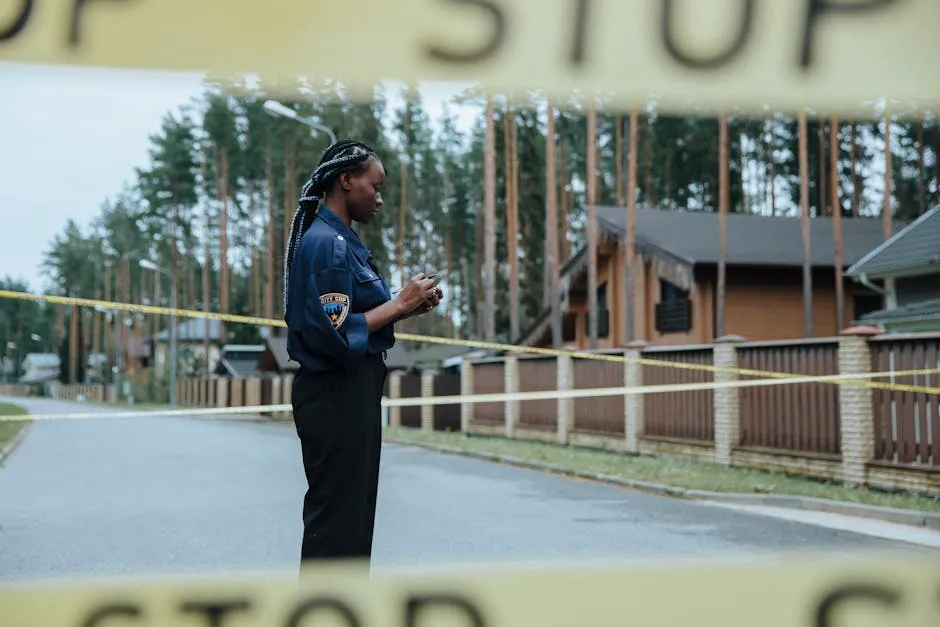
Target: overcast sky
{"x":71,"y":138}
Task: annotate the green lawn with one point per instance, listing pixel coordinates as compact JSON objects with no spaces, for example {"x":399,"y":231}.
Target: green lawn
{"x":9,"y":430}
{"x":672,"y":472}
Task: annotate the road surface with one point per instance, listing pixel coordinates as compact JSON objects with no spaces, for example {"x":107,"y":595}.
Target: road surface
{"x":161,"y":495}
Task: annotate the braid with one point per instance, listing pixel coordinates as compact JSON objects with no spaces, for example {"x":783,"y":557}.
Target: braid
{"x":343,"y":156}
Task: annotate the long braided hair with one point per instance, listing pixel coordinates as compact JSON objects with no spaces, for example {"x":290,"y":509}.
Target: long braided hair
{"x":343,"y":156}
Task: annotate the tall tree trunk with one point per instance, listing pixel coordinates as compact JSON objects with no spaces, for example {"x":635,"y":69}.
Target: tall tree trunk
{"x":174,"y":252}
{"x":73,"y":344}
{"x":921,"y":182}
{"x":126,"y":285}
{"x":551,"y":227}
{"x":156,"y":300}
{"x":745,"y":203}
{"x":823,"y":197}
{"x":722,"y":223}
{"x":448,"y":256}
{"x":58,"y":335}
{"x":96,"y":320}
{"x":290,"y":182}
{"x":269,"y":266}
{"x":772,"y":158}
{"x":512,"y":223}
{"x":478,"y":276}
{"x":189,"y":281}
{"x":836,"y":221}
{"x":403,"y":202}
{"x":467,"y":297}
{"x":85,"y":335}
{"x":139,"y":326}
{"x":853,"y":167}
{"x":591,"y":176}
{"x":887,"y":214}
{"x":253,"y":300}
{"x":667,"y":201}
{"x":223,"y":243}
{"x":564,"y":250}
{"x":206,"y":265}
{"x":936,"y":153}
{"x":804,"y":224}
{"x":618,"y":152}
{"x":630,"y":242}
{"x":650,"y":191}
{"x":104,"y":319}
{"x":489,"y":217}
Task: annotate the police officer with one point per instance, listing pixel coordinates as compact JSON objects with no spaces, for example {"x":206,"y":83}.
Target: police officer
{"x":340,"y":317}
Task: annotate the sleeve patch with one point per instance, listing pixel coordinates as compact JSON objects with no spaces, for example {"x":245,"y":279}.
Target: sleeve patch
{"x":336,"y":307}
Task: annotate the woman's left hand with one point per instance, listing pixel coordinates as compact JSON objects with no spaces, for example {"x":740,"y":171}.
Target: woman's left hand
{"x":430,"y":303}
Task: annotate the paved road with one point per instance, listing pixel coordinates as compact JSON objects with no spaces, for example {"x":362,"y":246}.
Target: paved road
{"x":162,"y":495}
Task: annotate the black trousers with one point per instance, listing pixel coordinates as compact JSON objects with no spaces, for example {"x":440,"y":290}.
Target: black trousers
{"x":338,"y":416}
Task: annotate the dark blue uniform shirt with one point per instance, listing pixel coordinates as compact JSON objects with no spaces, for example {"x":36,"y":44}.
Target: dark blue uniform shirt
{"x":333,"y":282}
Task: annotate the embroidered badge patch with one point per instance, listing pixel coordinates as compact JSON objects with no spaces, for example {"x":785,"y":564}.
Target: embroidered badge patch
{"x":336,"y":307}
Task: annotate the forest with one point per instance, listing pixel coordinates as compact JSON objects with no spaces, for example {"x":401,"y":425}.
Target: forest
{"x":496,"y":209}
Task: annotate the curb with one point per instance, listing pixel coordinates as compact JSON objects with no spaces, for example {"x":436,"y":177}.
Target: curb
{"x":913,"y":518}
{"x":12,"y":446}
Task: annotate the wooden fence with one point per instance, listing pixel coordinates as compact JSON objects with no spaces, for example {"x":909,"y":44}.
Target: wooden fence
{"x":12,"y":389}
{"x":852,"y":433}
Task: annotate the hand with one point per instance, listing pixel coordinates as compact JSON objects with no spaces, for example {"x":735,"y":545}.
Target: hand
{"x":416,"y":293}
{"x":430,"y":303}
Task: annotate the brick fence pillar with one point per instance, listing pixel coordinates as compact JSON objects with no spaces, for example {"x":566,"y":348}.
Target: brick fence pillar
{"x":466,"y":388}
{"x":855,"y":405}
{"x":276,"y":383}
{"x":394,"y":392}
{"x":565,"y":375}
{"x":287,"y":392}
{"x":252,"y":392}
{"x":221,"y":392}
{"x":427,"y":411}
{"x":511,"y":373}
{"x":633,"y":403}
{"x":727,"y":400}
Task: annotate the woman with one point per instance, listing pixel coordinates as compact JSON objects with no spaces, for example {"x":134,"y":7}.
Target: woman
{"x":340,"y":317}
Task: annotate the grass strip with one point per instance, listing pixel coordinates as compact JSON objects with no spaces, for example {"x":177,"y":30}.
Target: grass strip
{"x":663,"y":470}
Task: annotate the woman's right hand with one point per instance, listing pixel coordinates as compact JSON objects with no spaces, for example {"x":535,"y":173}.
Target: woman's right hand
{"x":415,"y":292}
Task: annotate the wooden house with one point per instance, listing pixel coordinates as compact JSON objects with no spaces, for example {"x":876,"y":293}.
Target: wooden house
{"x":675,"y":279}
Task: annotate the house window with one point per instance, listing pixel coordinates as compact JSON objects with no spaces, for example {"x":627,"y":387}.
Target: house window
{"x":603,"y":315}
{"x":568,"y":331}
{"x":674,"y":309}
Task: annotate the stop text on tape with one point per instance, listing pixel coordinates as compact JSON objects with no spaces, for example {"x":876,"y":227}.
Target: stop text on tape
{"x":772,"y":592}
{"x":837,"y":56}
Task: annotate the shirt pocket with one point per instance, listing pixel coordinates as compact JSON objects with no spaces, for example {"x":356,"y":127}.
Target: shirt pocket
{"x":369,"y":287}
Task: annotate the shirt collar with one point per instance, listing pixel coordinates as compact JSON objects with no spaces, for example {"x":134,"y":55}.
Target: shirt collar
{"x":327,"y":215}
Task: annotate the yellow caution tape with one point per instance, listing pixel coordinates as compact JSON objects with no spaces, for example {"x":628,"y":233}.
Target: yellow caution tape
{"x":833,"y":56}
{"x":795,"y":591}
{"x":144,"y":309}
{"x":512,"y":348}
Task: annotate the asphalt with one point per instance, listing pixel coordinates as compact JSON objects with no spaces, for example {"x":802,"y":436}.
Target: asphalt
{"x":162,"y":495}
